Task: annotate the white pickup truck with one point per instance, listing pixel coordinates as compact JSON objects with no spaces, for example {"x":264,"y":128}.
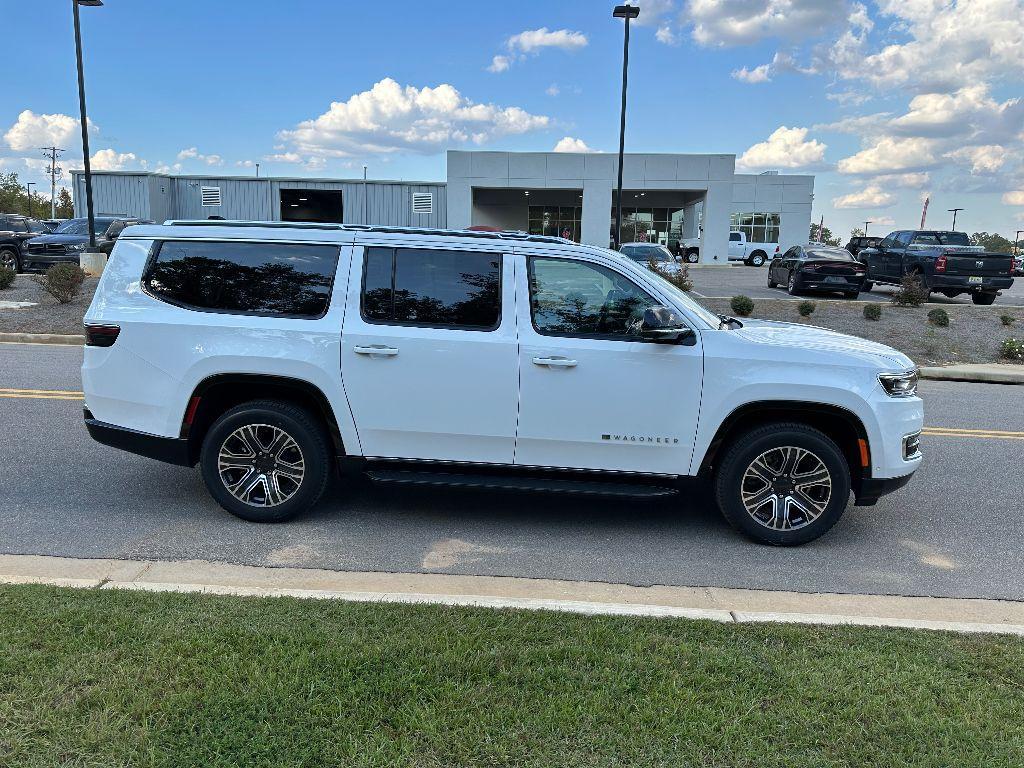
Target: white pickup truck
{"x":752,"y":254}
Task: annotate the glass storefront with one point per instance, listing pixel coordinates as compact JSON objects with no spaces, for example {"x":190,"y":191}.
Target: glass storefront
{"x":663,"y":226}
{"x":556,"y":220}
{"x":758,"y":227}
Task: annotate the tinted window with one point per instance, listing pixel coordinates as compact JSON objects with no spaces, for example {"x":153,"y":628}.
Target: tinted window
{"x":645,"y":253}
{"x":734,"y":237}
{"x":81,"y":226}
{"x":434,"y":288}
{"x":574,"y":298}
{"x":17,"y":225}
{"x":37,"y":226}
{"x":942,"y":238}
{"x":245,"y":278}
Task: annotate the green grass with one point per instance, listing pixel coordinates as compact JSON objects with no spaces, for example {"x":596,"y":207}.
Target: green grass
{"x":96,"y":678}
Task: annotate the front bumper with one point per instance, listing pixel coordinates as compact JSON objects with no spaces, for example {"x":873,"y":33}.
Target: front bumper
{"x":988,"y":284}
{"x":873,"y":488}
{"x":40,"y":262}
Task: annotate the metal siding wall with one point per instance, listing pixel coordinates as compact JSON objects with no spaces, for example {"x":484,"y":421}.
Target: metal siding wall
{"x":114,"y":194}
{"x":245,"y":199}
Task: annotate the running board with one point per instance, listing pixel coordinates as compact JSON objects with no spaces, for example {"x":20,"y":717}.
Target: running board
{"x":513,"y":483}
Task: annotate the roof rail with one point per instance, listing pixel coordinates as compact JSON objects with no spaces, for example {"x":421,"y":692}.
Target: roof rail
{"x":502,"y":235}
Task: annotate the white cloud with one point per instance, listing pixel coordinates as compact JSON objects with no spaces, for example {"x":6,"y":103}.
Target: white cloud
{"x":652,"y":12}
{"x":987,"y":158}
{"x":1014,"y":197}
{"x":872,"y":196}
{"x":759,"y":74}
{"x":785,"y":148}
{"x":891,"y":155}
{"x":859,"y":124}
{"x":31,"y":131}
{"x":905,"y":180}
{"x":245,"y":163}
{"x":112,"y":160}
{"x":284,"y":157}
{"x":162,"y":167}
{"x":394,"y":118}
{"x":666,"y":35}
{"x":499,"y":64}
{"x":741,"y":22}
{"x":553,"y":90}
{"x":192,"y":153}
{"x":569,"y":144}
{"x":535,"y":40}
{"x":967,"y":111}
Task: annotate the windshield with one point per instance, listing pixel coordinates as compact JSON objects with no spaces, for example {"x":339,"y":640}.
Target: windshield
{"x":81,"y":227}
{"x":713,"y":320}
{"x":645,"y":253}
{"x":942,"y":238}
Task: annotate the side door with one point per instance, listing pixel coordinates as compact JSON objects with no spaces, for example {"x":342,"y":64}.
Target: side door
{"x":428,"y":352}
{"x":593,"y":395}
{"x":877,"y":259}
{"x":735,"y":245}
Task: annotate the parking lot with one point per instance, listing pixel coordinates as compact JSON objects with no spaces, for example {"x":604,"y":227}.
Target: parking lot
{"x":954,"y":531}
{"x":724,"y":282}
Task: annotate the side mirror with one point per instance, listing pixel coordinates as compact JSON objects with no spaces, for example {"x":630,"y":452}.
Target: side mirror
{"x":661,"y":325}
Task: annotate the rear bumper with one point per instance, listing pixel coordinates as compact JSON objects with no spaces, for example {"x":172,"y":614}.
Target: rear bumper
{"x":961,"y":282}
{"x":819,"y":283}
{"x":873,"y":488}
{"x":171,"y":450}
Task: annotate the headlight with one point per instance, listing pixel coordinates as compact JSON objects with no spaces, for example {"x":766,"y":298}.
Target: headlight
{"x":75,"y":247}
{"x":899,"y":384}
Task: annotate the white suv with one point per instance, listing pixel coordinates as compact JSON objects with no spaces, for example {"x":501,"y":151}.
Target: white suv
{"x":270,"y":354}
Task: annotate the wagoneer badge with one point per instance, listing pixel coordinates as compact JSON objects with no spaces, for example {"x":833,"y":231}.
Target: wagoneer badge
{"x":640,"y":439}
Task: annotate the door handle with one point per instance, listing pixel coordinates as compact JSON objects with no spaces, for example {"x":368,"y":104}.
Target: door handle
{"x":376,"y":350}
{"x":555,"y":362}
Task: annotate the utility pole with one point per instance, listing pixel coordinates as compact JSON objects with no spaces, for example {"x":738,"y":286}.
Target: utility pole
{"x":55,"y":172}
{"x":365,"y":215}
{"x":28,"y":194}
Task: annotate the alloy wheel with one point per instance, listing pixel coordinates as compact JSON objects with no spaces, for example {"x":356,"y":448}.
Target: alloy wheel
{"x":261,"y":465}
{"x":9,"y":260}
{"x":786,"y":488}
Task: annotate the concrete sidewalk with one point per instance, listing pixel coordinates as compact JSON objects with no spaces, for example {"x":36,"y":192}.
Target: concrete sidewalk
{"x":984,"y":373}
{"x":710,"y":603}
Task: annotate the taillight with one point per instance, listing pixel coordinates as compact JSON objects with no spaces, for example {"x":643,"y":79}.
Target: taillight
{"x":101,"y":335}
{"x":776,"y":250}
{"x":940,"y":263}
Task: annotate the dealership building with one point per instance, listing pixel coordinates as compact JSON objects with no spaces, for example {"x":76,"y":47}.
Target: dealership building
{"x":665,"y":198}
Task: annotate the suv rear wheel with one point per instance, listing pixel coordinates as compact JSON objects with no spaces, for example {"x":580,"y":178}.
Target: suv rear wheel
{"x":783,"y":484}
{"x":266,"y":461}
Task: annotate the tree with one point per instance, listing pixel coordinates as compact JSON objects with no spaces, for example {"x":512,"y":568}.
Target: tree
{"x":824,"y":236}
{"x":13,"y":198}
{"x":65,"y":206}
{"x":992,"y":242}
{"x":856,"y":232}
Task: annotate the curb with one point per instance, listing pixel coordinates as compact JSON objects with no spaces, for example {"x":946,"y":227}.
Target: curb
{"x":42,"y":338}
{"x":723,"y":605}
{"x":981,"y":375}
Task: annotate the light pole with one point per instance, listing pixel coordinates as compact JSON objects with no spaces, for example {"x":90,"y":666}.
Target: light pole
{"x":85,"y":120}
{"x":955,"y":211}
{"x":866,"y":227}
{"x":257,"y":170}
{"x":625,"y":12}
{"x":364,"y":197}
{"x":28,"y":194}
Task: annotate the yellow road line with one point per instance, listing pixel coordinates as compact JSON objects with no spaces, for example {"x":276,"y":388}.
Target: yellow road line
{"x":977,"y":435}
{"x":79,"y":398}
{"x":40,"y":391}
{"x":975,"y":431}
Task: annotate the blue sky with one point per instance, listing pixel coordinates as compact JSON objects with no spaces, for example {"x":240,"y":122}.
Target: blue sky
{"x":884,"y":102}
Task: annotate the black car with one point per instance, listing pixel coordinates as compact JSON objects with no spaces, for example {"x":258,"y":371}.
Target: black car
{"x":67,"y":241}
{"x":14,"y":231}
{"x":945,"y":262}
{"x":645,"y":252}
{"x":858,"y":244}
{"x":813,"y":268}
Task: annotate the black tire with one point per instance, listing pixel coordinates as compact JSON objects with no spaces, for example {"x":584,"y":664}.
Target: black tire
{"x":757,"y":259}
{"x":868,"y":285}
{"x":310,"y":438}
{"x":771,"y":282}
{"x":793,"y":286}
{"x":983,"y":299}
{"x":771,"y":440}
{"x":10,"y":258}
{"x":851,"y":294}
{"x":692,"y":257}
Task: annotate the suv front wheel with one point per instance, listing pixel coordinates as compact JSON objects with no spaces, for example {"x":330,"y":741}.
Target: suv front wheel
{"x":266,"y":461}
{"x":783,"y":484}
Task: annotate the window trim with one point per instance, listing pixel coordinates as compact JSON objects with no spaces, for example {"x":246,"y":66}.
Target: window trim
{"x":409,"y":324}
{"x":588,"y":336}
{"x":158,"y":244}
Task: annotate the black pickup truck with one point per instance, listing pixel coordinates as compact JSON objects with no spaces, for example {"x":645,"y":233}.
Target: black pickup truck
{"x":945,"y":262}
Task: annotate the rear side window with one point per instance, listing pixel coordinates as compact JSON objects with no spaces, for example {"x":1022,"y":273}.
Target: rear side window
{"x":432,"y":288}
{"x":276,"y":279}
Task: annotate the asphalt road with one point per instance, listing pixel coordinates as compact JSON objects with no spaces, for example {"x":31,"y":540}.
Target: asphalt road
{"x":956,"y":530}
{"x":724,"y":282}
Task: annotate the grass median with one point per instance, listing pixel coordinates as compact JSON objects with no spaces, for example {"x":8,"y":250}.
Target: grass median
{"x":103,"y":678}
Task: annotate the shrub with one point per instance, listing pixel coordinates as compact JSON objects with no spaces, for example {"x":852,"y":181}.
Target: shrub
{"x":911,"y":293}
{"x":1012,"y":349}
{"x":1008,"y":320}
{"x":872,"y":311}
{"x":806,"y":308}
{"x":938,"y":317}
{"x":62,"y":281}
{"x":6,"y":277}
{"x":679,"y":278}
{"x":742,"y":305}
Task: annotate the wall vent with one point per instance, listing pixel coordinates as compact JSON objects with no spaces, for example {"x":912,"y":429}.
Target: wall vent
{"x":422,"y":202}
{"x":211,"y":196}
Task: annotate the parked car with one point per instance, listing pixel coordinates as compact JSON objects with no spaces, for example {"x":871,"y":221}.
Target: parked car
{"x":644,"y":253}
{"x":809,"y":268}
{"x":857,"y":244}
{"x":689,"y":249}
{"x":66,"y":242}
{"x":270,"y":354}
{"x":945,"y":262}
{"x":751,"y":254}
{"x":14,"y":231}
{"x":1018,"y":265}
